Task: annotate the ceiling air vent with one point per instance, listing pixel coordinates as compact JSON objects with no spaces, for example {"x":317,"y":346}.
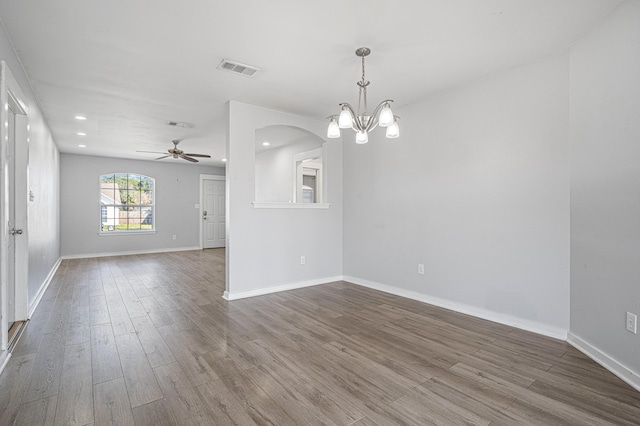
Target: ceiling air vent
{"x":238,"y":68}
{"x":181,"y":124}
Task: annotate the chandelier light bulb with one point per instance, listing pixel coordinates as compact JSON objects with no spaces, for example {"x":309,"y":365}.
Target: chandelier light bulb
{"x":362,"y":137}
{"x":393,"y":131}
{"x":334,"y":130}
{"x":386,"y":116}
{"x":345,"y":121}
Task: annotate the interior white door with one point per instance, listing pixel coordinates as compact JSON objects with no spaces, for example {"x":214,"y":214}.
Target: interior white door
{"x":11,"y":249}
{"x":14,"y":263}
{"x":213,"y":213}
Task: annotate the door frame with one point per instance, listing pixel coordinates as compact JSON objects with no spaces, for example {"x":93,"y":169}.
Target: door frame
{"x":9,"y":87}
{"x":201,"y":205}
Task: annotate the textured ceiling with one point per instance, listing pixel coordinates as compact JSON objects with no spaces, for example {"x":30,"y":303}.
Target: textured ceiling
{"x":131,"y":66}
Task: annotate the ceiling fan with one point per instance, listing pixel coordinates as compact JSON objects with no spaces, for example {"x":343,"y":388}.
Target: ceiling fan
{"x":178,"y":153}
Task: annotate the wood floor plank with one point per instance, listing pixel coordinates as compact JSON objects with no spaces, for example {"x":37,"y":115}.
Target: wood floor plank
{"x":147,"y":340}
{"x":45,"y":375}
{"x":158,"y":353}
{"x":39,"y":412}
{"x":188,"y":354}
{"x":138,"y":375}
{"x":132,"y":304}
{"x":99,"y":310}
{"x":75,"y":399}
{"x":257,"y":403}
{"x":223,"y":406}
{"x":157,"y":314}
{"x":529,"y":401}
{"x":155,"y":413}
{"x":120,"y":321}
{"x":105,"y":358}
{"x":13,"y":385}
{"x":111,"y":403}
{"x":182,"y":399}
{"x":31,"y":337}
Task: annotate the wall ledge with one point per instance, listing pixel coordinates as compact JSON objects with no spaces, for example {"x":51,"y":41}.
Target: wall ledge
{"x":261,"y":205}
{"x":620,"y":370}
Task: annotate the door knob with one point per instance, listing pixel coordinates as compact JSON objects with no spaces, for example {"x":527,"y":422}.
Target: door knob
{"x":16,"y":231}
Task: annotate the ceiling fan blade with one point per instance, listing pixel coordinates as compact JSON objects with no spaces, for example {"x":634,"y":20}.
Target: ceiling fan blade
{"x":154,"y":152}
{"x":184,"y":157}
{"x":164,"y":156}
{"x":199,"y":155}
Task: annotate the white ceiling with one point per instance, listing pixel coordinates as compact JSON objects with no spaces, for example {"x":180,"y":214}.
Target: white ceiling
{"x":132,"y":65}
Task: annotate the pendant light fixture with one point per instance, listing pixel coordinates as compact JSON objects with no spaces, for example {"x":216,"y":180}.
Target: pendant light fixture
{"x":360,"y":120}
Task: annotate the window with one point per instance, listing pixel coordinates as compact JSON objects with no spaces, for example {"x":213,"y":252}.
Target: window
{"x":126,"y":203}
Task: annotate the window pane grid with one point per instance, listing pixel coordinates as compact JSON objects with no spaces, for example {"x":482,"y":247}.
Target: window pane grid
{"x":127,"y":202}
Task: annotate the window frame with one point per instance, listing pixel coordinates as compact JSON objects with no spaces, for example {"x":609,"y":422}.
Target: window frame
{"x":101,"y":230}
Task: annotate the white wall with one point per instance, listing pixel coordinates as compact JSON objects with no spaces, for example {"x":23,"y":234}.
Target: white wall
{"x":275,"y":178}
{"x":177,"y":193}
{"x":265,"y":245}
{"x":44,"y":179}
{"x":477,"y":189}
{"x":605,"y":188}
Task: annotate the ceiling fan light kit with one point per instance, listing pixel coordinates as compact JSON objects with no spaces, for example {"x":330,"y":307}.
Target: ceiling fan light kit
{"x":360,"y":120}
{"x":178,"y":153}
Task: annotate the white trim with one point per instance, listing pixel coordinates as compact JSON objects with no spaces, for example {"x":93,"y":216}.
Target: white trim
{"x":262,"y":205}
{"x":127,"y":253}
{"x":5,"y":361}
{"x":297,"y":172}
{"x":43,"y":288}
{"x":112,"y":233}
{"x":279,"y":288}
{"x":533,"y":326}
{"x":623,"y":372}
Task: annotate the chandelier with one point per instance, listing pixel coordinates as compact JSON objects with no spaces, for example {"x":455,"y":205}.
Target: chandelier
{"x":361,"y":121}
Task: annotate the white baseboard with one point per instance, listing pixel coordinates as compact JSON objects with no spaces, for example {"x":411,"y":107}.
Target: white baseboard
{"x":130,"y":252}
{"x":533,"y":326}
{"x":5,"y":356}
{"x":43,"y":288}
{"x":624,"y":373}
{"x":279,"y":288}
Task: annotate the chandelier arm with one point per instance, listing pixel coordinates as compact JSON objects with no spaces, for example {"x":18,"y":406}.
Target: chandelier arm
{"x":373,"y":122}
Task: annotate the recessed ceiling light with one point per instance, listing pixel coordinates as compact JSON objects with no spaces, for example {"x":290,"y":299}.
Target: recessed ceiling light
{"x":82,"y":146}
{"x":80,"y":117}
{"x":81,"y":134}
{"x":224,"y":160}
{"x":265,"y":143}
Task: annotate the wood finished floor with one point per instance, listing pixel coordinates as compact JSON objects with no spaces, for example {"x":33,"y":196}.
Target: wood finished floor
{"x":148,"y":340}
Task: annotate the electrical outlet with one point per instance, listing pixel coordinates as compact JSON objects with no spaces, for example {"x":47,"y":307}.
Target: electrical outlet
{"x":302,"y":260}
{"x":420,"y":269}
{"x":174,"y":237}
{"x":632,"y":323}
